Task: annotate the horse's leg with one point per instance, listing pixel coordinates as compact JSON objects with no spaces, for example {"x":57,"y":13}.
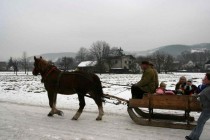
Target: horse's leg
{"x":52,"y":102}
{"x":98,"y":101}
{"x":81,"y":106}
{"x":50,"y":97}
{"x":56,"y":111}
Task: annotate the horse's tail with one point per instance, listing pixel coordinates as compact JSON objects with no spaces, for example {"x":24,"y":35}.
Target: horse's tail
{"x":98,"y":85}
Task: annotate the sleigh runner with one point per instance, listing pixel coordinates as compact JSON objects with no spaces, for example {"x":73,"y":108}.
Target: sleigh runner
{"x":136,"y":110}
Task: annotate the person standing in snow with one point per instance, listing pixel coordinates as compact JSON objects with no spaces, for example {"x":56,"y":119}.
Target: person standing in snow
{"x":204,"y":98}
{"x":146,"y":84}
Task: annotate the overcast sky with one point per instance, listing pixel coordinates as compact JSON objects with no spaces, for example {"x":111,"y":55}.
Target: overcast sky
{"x":42,"y":26}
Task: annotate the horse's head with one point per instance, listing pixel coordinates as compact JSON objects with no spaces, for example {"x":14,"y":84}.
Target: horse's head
{"x":39,"y":65}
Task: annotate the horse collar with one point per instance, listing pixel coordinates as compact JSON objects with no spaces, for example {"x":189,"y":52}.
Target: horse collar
{"x":47,"y":73}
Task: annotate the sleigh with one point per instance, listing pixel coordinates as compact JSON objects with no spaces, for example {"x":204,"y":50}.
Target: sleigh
{"x":79,"y":82}
{"x":184,"y":103}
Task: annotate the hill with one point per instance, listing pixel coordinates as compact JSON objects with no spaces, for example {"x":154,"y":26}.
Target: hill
{"x":176,"y":50}
{"x":55,"y":56}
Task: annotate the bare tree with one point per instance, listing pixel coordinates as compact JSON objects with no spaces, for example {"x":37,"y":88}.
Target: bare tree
{"x":114,"y":51}
{"x":158,"y":59}
{"x":90,"y":57}
{"x":24,"y":62}
{"x":10,"y":63}
{"x":82,"y":54}
{"x":16,"y":65}
{"x":198,"y":58}
{"x":100,"y":50}
{"x":65,"y":63}
{"x":168,"y":63}
{"x":139,"y":59}
{"x":162,"y":61}
{"x":109,"y":63}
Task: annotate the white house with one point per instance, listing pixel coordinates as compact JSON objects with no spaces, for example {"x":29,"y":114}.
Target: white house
{"x":190,"y":64}
{"x":120,"y":64}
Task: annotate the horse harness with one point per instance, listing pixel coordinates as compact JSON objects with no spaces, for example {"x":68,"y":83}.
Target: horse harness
{"x":44,"y":77}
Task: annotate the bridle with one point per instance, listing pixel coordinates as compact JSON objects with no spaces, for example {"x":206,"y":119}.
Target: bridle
{"x":44,"y":73}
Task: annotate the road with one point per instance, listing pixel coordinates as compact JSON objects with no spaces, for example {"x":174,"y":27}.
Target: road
{"x":26,"y":122}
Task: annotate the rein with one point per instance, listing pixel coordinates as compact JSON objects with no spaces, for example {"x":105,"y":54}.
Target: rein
{"x":116,"y":84}
{"x":44,"y":77}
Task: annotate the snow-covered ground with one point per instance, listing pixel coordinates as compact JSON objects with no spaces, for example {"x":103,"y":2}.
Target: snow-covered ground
{"x":24,"y":98}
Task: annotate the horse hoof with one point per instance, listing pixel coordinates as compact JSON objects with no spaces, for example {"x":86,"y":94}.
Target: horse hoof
{"x":50,"y":115}
{"x":74,"y":119}
{"x":60,"y":113}
{"x":98,"y":119}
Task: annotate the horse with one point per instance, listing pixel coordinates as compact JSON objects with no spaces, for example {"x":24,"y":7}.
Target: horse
{"x":68,"y":83}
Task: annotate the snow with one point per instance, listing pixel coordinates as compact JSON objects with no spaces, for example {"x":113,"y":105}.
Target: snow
{"x":200,"y":50}
{"x":24,"y":108}
{"x":87,"y":64}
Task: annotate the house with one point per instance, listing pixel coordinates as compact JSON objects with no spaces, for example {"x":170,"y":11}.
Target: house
{"x":3,"y":66}
{"x":190,"y":64}
{"x":88,"y":66}
{"x":207,"y":66}
{"x":120,"y":64}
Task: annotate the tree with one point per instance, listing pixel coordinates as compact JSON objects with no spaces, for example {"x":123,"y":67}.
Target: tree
{"x":65,"y":63}
{"x":82,"y":54}
{"x":158,"y":59}
{"x":162,"y":61}
{"x":168,"y":63}
{"x":15,"y":65}
{"x":100,"y":50}
{"x":90,"y":57}
{"x":115,"y":51}
{"x":10,"y":63}
{"x":109,"y":63}
{"x":24,"y":62}
{"x":198,"y":58}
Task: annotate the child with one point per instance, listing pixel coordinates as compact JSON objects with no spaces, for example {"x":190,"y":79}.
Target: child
{"x":180,"y":85}
{"x":162,"y":90}
{"x":201,"y":87}
{"x":189,"y":88}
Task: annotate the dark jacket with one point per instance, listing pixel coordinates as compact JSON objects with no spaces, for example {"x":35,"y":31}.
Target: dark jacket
{"x":189,"y":90}
{"x":201,"y":88}
{"x":180,"y":88}
{"x":156,"y":78}
{"x":205,"y":98}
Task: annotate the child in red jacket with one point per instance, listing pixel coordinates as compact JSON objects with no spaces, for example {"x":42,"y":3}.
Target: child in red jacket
{"x":162,"y":90}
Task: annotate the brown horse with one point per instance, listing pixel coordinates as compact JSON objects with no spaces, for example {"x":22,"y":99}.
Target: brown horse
{"x":68,"y":83}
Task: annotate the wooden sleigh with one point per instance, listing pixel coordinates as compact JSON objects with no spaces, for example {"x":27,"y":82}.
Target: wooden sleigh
{"x":167,"y":102}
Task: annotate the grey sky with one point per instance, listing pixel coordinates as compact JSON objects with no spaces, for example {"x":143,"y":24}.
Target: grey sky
{"x":41,"y":26}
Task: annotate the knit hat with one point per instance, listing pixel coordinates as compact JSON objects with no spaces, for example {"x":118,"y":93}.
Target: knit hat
{"x":190,"y":80}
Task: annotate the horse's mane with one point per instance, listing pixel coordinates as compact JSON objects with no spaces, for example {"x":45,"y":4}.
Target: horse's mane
{"x":44,"y":64}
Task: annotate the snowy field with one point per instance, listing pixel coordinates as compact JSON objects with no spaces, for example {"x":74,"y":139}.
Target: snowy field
{"x":26,"y":95}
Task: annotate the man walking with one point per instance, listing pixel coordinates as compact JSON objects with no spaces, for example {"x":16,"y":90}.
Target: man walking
{"x":204,"y":98}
